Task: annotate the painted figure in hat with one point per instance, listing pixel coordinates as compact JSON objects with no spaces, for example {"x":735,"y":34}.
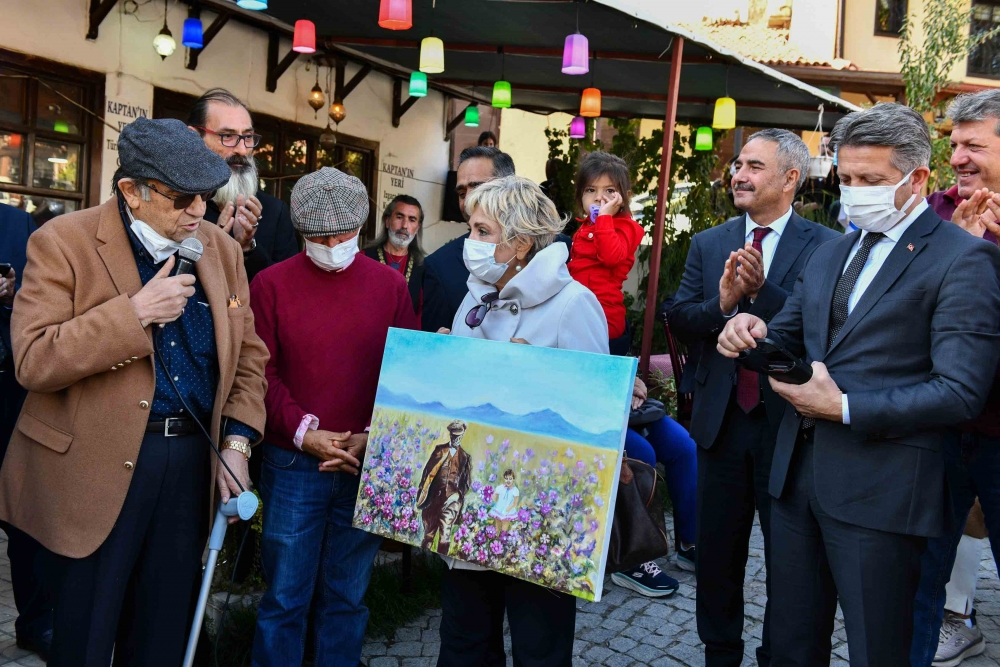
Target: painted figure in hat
{"x":446,"y":479}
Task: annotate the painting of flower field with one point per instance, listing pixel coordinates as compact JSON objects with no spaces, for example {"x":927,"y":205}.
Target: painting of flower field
{"x":505,"y":456}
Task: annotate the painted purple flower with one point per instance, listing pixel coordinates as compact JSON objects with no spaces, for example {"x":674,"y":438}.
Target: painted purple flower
{"x":491,"y":530}
{"x":545,"y":509}
{"x":488,"y":493}
{"x":594,"y":525}
{"x":517,"y":455}
{"x":365,"y":477}
{"x":581,"y":466}
{"x":492,"y":479}
{"x":599,"y":501}
{"x":553,"y":496}
{"x":576,"y":500}
{"x":496,"y":548}
{"x":404,"y":498}
{"x":482,"y":466}
{"x":523,"y":515}
{"x":538,"y":568}
{"x":369,"y":491}
{"x":536,"y":524}
{"x":414,"y":525}
{"x":569,"y":453}
{"x":489,"y":440}
{"x":467,"y":548}
{"x":541,"y":550}
{"x":578,"y":526}
{"x":592,"y":478}
{"x":366,"y":519}
{"x":528,"y":453}
{"x":482,"y":514}
{"x":480,"y":538}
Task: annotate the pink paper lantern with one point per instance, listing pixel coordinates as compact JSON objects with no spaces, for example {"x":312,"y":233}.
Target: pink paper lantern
{"x":578,"y":128}
{"x":304,"y":39}
{"x":395,"y":14}
{"x":576,"y":55}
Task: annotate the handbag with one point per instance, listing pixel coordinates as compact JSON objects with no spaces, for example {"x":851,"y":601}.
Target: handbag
{"x":638,"y":531}
{"x":647,"y":413}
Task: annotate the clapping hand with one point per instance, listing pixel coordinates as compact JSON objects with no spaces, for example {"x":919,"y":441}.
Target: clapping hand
{"x":7,"y":287}
{"x":979,"y":213}
{"x":743,"y":275}
{"x":241,"y":219}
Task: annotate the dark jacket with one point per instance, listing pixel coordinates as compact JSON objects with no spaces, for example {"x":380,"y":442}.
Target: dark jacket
{"x":916,"y":355}
{"x":15,"y":227}
{"x":415,"y":282}
{"x":276,"y":240}
{"x":696,"y":317}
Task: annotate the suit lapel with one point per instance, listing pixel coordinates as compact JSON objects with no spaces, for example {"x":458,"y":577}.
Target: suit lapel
{"x":906,"y":249}
{"x":116,"y":253}
{"x":210,"y":275}
{"x":737,"y":236}
{"x":830,"y":283}
{"x":790,"y":246}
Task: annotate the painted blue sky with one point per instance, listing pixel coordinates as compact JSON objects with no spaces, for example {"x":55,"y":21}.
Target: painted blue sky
{"x":590,"y":391}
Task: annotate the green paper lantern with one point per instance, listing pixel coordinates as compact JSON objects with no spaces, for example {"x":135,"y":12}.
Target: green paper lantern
{"x":418,"y":84}
{"x":703,"y":140}
{"x":472,"y":116}
{"x":61,"y":126}
{"x":501,"y":95}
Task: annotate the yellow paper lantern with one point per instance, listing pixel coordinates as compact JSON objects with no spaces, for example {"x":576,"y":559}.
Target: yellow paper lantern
{"x":725,"y":114}
{"x":590,"y":103}
{"x":431,"y":55}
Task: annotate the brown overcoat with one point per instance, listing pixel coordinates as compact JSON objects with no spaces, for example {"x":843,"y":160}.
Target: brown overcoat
{"x":87,"y":364}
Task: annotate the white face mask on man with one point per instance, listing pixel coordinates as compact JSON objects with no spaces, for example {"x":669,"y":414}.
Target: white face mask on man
{"x":337,"y":258}
{"x":480,"y":261}
{"x":159,"y":247}
{"x":874,"y":208}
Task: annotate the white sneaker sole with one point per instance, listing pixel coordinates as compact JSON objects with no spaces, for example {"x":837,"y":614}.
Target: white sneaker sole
{"x":628,"y":582}
{"x":684,"y":564}
{"x":973,"y":650}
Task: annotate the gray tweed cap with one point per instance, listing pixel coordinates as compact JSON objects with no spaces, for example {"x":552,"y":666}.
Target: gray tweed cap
{"x":168,"y":151}
{"x":328,"y":202}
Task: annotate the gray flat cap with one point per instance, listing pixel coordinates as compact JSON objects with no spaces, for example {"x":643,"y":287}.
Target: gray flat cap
{"x":328,"y":202}
{"x":168,"y":151}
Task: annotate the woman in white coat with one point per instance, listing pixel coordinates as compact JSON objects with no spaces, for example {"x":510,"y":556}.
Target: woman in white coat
{"x":519,"y":291}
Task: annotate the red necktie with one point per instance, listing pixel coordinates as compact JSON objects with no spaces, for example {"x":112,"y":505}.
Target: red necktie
{"x":747,"y":382}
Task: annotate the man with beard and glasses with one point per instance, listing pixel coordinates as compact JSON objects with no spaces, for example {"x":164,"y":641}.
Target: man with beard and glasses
{"x":398,"y":246}
{"x":261,"y":223}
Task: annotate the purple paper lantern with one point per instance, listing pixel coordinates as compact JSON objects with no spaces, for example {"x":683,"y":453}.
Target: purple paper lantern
{"x":578,"y":128}
{"x":576,"y":55}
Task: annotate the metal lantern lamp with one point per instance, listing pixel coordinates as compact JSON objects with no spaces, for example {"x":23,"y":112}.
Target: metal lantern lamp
{"x":164,"y":43}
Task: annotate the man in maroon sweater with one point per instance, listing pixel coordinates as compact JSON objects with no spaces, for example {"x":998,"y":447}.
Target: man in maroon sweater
{"x":973,"y":458}
{"x":324,"y":316}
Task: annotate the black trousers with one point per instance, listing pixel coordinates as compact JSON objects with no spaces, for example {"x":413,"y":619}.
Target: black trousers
{"x":817,"y":558}
{"x":732,"y":483}
{"x":542,"y":621}
{"x":135,"y":595}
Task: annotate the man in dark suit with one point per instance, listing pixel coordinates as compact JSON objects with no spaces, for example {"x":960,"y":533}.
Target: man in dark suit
{"x":261,"y":223}
{"x":749,"y":264}
{"x":446,"y":479}
{"x":900,"y":322}
{"x":32,"y":596}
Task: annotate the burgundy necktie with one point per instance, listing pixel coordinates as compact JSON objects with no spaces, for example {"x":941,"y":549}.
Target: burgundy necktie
{"x":747,"y":382}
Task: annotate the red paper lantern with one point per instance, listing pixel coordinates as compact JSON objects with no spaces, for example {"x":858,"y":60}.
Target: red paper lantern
{"x":396,"y":14}
{"x":590,"y":103}
{"x":304,"y":40}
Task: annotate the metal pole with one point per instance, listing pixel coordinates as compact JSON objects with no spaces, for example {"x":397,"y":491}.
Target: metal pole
{"x":661,"y":202}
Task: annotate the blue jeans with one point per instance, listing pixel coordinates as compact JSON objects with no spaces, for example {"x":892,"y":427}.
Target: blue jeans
{"x":308,"y":547}
{"x":669,"y":443}
{"x":973,"y":469}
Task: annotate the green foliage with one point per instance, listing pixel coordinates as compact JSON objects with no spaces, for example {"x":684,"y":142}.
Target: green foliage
{"x":390,"y":606}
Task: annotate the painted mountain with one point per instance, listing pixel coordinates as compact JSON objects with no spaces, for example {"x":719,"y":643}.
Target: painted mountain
{"x":543,"y":422}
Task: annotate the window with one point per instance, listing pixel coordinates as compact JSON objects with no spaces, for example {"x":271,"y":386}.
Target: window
{"x":49,"y":147}
{"x":889,"y":16}
{"x":984,"y":59}
{"x":288,"y":150}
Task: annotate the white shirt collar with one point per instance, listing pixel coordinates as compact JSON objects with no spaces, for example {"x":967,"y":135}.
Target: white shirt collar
{"x":897,"y":232}
{"x":777,"y":227}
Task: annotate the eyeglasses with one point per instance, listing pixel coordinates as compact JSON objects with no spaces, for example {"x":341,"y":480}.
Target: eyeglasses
{"x":232,"y":140}
{"x":478,"y":313}
{"x":182,"y":202}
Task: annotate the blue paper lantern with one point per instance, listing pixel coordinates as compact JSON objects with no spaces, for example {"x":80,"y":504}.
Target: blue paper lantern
{"x":193,"y":38}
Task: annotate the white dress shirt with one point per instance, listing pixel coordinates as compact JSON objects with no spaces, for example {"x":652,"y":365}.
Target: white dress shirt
{"x":769,"y":244}
{"x":876,"y":258}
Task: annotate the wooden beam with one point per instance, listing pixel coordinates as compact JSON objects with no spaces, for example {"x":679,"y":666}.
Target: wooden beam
{"x":398,"y":107}
{"x":653,"y":282}
{"x":220,"y":20}
{"x":99,"y":10}
{"x":358,"y":77}
{"x":456,"y":121}
{"x":276,"y":68}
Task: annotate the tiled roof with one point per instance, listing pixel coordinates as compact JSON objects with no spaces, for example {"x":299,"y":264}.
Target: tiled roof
{"x":769,"y":46}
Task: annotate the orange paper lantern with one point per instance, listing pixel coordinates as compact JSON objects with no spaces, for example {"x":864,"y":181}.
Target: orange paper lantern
{"x":590,"y":103}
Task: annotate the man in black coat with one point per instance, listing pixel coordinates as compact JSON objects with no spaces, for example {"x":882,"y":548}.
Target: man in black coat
{"x":749,"y":264}
{"x":32,"y":596}
{"x":398,"y":246}
{"x":261,"y":223}
{"x":900,"y":321}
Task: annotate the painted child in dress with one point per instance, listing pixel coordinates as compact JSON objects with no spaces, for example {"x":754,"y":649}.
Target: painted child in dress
{"x":505,"y":502}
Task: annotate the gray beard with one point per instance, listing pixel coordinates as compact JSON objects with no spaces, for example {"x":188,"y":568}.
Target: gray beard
{"x":400,"y":243}
{"x":244,"y":181}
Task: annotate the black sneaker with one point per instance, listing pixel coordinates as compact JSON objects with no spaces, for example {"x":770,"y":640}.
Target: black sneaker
{"x":685,"y":558}
{"x":647,"y":579}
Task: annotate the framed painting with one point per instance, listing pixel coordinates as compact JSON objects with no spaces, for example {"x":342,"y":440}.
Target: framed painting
{"x":501,"y":455}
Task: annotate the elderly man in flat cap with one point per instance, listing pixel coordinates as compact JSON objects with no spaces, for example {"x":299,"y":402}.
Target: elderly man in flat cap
{"x":324,"y":315}
{"x":109,"y":467}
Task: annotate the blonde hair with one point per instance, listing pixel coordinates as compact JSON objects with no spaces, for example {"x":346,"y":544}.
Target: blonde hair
{"x":521,"y":209}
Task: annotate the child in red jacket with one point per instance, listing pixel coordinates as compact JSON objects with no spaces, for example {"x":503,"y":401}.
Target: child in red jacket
{"x":604,"y":247}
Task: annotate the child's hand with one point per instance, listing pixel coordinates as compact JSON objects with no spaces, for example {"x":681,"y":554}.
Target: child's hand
{"x":610,"y":206}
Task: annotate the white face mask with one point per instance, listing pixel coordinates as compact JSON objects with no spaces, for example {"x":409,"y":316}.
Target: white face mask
{"x":158,"y":246}
{"x":874,"y":208}
{"x":337,"y":258}
{"x":479,"y":260}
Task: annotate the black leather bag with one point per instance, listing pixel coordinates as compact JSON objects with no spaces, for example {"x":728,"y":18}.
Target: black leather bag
{"x":638,"y":532}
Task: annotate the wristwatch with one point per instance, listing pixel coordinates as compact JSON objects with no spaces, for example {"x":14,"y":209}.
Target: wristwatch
{"x":242,"y":447}
{"x":253,"y":246}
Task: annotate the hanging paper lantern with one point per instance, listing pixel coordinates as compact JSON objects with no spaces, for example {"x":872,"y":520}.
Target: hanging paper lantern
{"x":304,"y":39}
{"x":590,"y":103}
{"x":703,"y":139}
{"x":725,"y":114}
{"x":578,"y":128}
{"x":192,"y":36}
{"x":501,"y":95}
{"x":396,"y":14}
{"x":164,"y":43}
{"x":418,"y":84}
{"x":254,"y":5}
{"x":61,"y":126}
{"x":431,"y":55}
{"x":472,"y":116}
{"x":576,"y":55}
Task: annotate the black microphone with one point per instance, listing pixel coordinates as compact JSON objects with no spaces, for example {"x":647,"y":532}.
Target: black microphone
{"x":190,"y":252}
